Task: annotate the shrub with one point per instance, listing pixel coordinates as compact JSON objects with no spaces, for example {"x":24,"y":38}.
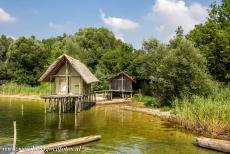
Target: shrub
{"x":147,"y":100}
{"x":182,"y":73}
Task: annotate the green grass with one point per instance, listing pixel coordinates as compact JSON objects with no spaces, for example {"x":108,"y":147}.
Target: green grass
{"x":15,"y":89}
{"x":147,"y":100}
{"x":209,"y":115}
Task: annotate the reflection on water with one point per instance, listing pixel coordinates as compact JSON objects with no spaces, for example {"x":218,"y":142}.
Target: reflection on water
{"x":122,"y":131}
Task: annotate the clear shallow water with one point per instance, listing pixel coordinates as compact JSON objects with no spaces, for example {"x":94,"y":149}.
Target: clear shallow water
{"x":122,"y":131}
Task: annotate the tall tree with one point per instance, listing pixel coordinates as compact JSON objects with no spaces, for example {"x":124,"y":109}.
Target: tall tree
{"x":179,"y":31}
{"x":181,"y":72}
{"x":4,"y":46}
{"x":89,"y":45}
{"x":26,"y":60}
{"x":213,"y":39}
{"x":112,"y":62}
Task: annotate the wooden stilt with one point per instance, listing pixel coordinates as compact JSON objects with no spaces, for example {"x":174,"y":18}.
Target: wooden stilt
{"x":75,"y":122}
{"x":59,"y":107}
{"x":59,"y":124}
{"x":79,"y":107}
{"x":70,"y":103}
{"x":22,"y":110}
{"x":15,"y":136}
{"x":75,"y":106}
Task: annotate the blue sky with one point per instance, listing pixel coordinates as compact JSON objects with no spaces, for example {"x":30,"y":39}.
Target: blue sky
{"x":130,"y":20}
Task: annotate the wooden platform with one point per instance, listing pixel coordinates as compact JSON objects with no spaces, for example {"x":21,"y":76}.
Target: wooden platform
{"x":69,"y":103}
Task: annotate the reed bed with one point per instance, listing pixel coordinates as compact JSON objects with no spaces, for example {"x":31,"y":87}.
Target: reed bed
{"x":209,"y":116}
{"x":15,"y":89}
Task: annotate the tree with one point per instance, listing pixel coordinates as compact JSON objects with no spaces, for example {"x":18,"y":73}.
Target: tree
{"x":151,"y":45}
{"x":89,"y":45}
{"x":145,"y":63}
{"x":55,"y":45}
{"x":112,"y":62}
{"x":220,"y":13}
{"x":179,"y":31}
{"x":181,"y":72}
{"x":4,"y":46}
{"x":213,"y":39}
{"x":3,"y":71}
{"x":26,"y":60}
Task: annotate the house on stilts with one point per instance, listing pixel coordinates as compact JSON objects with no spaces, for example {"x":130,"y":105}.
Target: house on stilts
{"x":122,"y":85}
{"x":72,"y":85}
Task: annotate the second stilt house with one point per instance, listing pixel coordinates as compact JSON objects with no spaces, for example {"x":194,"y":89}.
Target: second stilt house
{"x":70,"y":76}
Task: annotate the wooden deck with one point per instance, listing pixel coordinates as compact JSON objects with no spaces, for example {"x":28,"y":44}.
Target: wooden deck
{"x":70,"y":103}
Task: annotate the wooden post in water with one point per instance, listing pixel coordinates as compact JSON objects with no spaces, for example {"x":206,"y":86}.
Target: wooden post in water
{"x":111,"y":95}
{"x":22,"y":110}
{"x":59,"y":121}
{"x":75,"y":106}
{"x":76,"y":120}
{"x":15,"y":137}
{"x":59,"y":108}
{"x":45,"y":107}
{"x":79,"y":106}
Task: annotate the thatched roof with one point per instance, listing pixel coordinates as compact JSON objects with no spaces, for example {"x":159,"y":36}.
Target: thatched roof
{"x":79,"y":67}
{"x":122,"y":73}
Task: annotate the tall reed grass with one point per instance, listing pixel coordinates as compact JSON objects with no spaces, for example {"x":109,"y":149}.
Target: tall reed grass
{"x":210,"y":116}
{"x":15,"y":89}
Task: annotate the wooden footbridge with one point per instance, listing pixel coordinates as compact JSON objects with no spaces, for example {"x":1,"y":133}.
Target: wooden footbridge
{"x":70,"y":103}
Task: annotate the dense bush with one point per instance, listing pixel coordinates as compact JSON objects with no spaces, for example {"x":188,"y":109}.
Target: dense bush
{"x":181,"y":72}
{"x":26,"y":60}
{"x":147,"y":100}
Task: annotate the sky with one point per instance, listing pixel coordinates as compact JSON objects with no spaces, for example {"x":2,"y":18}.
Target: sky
{"x":132,"y":21}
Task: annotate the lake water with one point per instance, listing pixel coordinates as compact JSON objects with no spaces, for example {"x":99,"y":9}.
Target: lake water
{"x":122,"y":131}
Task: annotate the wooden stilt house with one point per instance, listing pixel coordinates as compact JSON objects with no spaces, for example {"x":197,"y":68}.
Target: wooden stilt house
{"x":122,"y":84}
{"x":70,"y":76}
{"x":72,"y":80}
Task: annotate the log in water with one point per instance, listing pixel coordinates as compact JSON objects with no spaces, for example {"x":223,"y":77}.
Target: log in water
{"x":219,"y":145}
{"x":61,"y":144}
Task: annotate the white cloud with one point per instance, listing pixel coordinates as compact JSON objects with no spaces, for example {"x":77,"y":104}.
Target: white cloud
{"x":174,"y":13}
{"x":6,"y":17}
{"x":55,"y":26}
{"x":118,"y":23}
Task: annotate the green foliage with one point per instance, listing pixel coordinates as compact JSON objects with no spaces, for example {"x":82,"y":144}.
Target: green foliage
{"x":214,"y":44}
{"x":181,"y":72}
{"x":220,"y":13}
{"x":55,"y":45}
{"x":4,"y":46}
{"x":179,"y":31}
{"x":26,"y":60}
{"x":3,"y":71}
{"x":90,"y":44}
{"x":213,"y":39}
{"x":14,"y":89}
{"x":112,"y":62}
{"x":147,"y":100}
{"x":209,"y":115}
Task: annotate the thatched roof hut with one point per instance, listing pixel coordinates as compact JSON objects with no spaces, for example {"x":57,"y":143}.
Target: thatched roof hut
{"x":70,"y":76}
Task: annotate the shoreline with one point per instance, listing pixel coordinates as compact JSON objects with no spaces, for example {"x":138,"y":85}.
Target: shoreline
{"x":29,"y":97}
{"x":155,"y":112}
{"x":167,"y":115}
